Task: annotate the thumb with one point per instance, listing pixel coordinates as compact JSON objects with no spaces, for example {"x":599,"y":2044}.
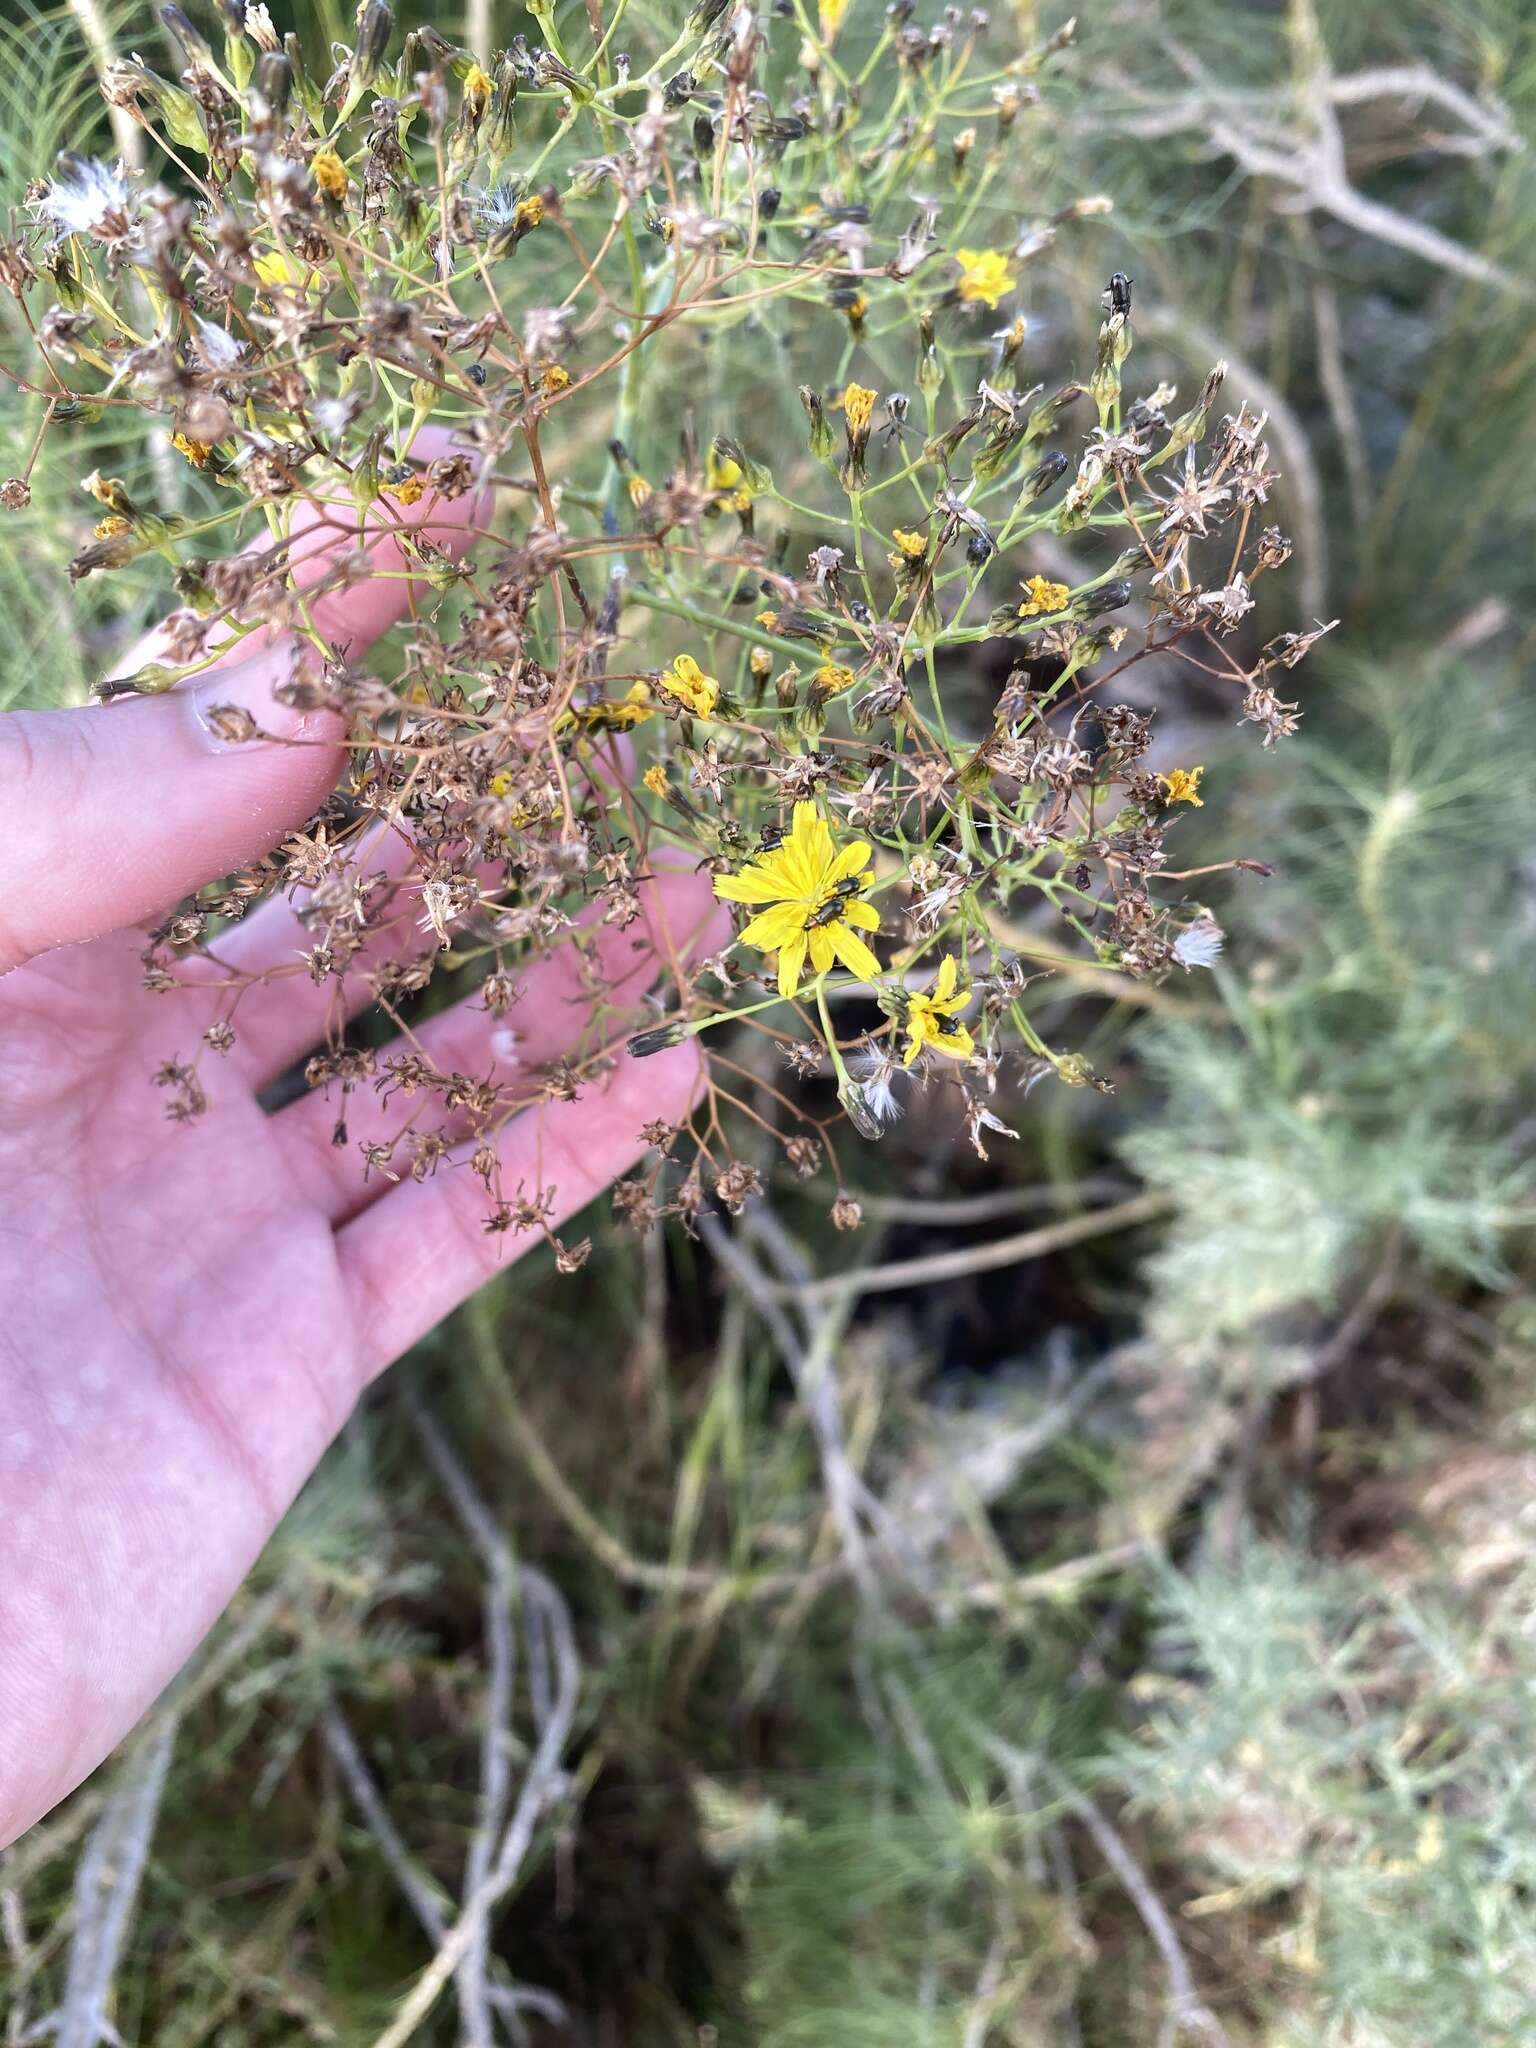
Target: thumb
{"x":114,"y":812}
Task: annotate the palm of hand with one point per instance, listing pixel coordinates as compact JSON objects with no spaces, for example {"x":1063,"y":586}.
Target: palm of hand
{"x":188,"y":1312}
{"x":183,"y":1348}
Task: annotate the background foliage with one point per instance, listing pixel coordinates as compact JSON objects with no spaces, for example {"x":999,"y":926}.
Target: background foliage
{"x":1125,"y":1643}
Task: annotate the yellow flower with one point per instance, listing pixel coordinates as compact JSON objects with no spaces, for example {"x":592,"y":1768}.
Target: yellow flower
{"x":816,"y":909}
{"x":640,"y":492}
{"x":769,"y":621}
{"x":477,"y":91}
{"x":830,"y":13}
{"x":274,"y":269}
{"x":111,"y":526}
{"x":655,"y":779}
{"x":930,"y":1019}
{"x":687,"y":682}
{"x":1041,"y":596}
{"x":529,"y":212}
{"x":721,"y":466}
{"x":1183,"y":787}
{"x":830,"y":681}
{"x":500,"y":782}
{"x":913,"y":545}
{"x":407,"y":492}
{"x":556,"y":378}
{"x":859,"y":408}
{"x":329,"y":172}
{"x":984,"y":276}
{"x":856,"y":307}
{"x":198,"y":453}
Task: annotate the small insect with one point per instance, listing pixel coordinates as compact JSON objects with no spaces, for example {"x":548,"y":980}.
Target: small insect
{"x":847,"y":887}
{"x":772,"y":839}
{"x":1117,"y":295}
{"x":947,"y":1027}
{"x":829,"y":913}
{"x":476,"y":373}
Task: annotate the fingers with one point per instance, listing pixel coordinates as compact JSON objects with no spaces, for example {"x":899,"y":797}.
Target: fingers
{"x":552,"y":1017}
{"x":413,"y":1257}
{"x":114,"y":812}
{"x":278,"y":1021}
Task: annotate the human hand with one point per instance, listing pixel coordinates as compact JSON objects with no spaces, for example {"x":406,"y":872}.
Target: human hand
{"x":189,"y":1312}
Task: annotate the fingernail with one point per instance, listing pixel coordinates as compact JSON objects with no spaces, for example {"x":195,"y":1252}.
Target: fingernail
{"x":237,"y":708}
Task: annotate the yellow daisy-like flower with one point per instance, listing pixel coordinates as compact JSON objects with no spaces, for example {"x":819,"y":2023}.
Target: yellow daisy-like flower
{"x":859,"y":407}
{"x":930,"y":1019}
{"x":687,"y":682}
{"x":984,"y":276}
{"x":406,"y":492}
{"x":110,"y":527}
{"x":655,"y":779}
{"x":329,"y":173}
{"x":274,"y":268}
{"x":198,"y":453}
{"x":556,"y":378}
{"x":1183,"y":787}
{"x":477,"y":91}
{"x":812,"y":887}
{"x":529,"y":212}
{"x":913,"y":545}
{"x":830,"y":18}
{"x":1042,"y":596}
{"x":769,"y":621}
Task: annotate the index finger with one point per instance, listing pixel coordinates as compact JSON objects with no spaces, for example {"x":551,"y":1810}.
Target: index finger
{"x":114,"y":812}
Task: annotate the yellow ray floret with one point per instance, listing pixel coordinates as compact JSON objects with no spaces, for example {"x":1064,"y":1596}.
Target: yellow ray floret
{"x":930,"y":1019}
{"x":1183,"y":787}
{"x":985,"y":276}
{"x":686,"y":683}
{"x":329,"y":173}
{"x":809,"y":914}
{"x":1041,"y":595}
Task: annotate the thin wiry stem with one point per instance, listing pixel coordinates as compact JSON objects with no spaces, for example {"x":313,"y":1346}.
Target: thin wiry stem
{"x":106,"y":1888}
{"x":543,"y":1784}
{"x":1187,"y":2011}
{"x":495,"y":1731}
{"x":420,"y":1895}
{"x":985,"y":1258}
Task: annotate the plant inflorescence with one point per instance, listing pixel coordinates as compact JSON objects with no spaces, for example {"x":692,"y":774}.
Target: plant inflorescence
{"x":730,"y":364}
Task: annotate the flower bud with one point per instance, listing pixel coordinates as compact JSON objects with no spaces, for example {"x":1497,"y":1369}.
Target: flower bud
{"x":374,"y":32}
{"x":188,"y":38}
{"x":821,"y":431}
{"x":274,"y":81}
{"x":644,"y":1043}
{"x":1106,"y":597}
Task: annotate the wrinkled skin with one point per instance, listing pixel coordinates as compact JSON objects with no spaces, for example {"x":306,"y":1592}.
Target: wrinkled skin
{"x":189,"y":1312}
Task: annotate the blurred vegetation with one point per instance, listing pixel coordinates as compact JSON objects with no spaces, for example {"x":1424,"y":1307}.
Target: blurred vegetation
{"x":1128,"y":1644}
